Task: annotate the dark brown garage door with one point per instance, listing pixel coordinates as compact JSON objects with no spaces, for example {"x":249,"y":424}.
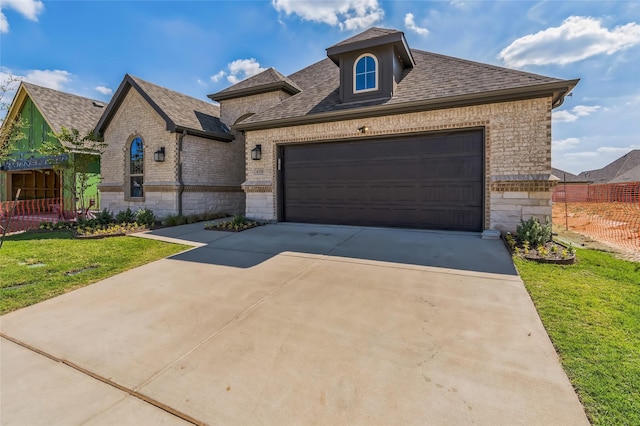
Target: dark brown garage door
{"x":430,"y":182}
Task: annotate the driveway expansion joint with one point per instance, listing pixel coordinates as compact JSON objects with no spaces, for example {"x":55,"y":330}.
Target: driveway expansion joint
{"x":106,"y":381}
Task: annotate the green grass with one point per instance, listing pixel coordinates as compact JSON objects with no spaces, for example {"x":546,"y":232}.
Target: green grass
{"x":591,"y":311}
{"x":38,"y":266}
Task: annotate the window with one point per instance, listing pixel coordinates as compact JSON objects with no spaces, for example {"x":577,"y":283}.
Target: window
{"x":365,"y":73}
{"x":136,"y":168}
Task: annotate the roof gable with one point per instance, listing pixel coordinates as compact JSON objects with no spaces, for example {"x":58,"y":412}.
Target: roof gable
{"x":179,"y":111}
{"x":267,"y":81}
{"x":59,"y":109}
{"x":371,"y":38}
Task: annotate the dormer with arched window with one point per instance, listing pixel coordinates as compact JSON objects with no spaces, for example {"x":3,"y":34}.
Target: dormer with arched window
{"x":371,"y":64}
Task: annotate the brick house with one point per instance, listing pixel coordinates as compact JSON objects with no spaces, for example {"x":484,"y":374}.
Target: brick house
{"x":384,"y":135}
{"x":47,"y":111}
{"x":570,"y":187}
{"x":168,"y":152}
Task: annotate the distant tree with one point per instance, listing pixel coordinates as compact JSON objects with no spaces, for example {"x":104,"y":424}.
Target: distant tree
{"x":73,"y":155}
{"x":10,"y":131}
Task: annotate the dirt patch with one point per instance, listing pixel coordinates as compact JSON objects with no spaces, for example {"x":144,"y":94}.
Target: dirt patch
{"x":612,"y":227}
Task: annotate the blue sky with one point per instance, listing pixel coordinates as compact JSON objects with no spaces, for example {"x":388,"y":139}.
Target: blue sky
{"x":200,"y":47}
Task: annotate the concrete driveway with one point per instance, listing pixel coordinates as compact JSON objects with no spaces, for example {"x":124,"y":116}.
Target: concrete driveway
{"x":292,"y":324}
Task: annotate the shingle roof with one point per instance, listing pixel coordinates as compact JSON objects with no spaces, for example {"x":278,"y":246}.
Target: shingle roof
{"x":570,"y":177}
{"x":64,"y":109}
{"x":631,"y":175}
{"x":435,"y":79}
{"x":373,"y":32}
{"x":268,"y":80}
{"x":620,"y":170}
{"x":180,"y":112}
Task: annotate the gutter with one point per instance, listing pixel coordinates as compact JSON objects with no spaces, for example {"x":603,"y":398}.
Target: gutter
{"x":557,"y":90}
{"x":180,"y":180}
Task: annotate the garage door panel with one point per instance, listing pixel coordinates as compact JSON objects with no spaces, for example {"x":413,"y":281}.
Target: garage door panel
{"x":429,"y":182}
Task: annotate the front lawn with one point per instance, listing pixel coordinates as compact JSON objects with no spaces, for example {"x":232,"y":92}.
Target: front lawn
{"x":38,"y":266}
{"x":591,"y":311}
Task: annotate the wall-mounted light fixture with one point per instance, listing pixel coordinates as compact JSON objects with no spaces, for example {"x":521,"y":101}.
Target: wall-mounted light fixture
{"x":363,"y":129}
{"x":158,"y":156}
{"x":256,"y":153}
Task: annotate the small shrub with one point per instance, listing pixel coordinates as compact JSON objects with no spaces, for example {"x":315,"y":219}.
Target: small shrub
{"x":105,"y":217}
{"x":542,"y":251}
{"x":238,"y":220}
{"x":145,"y":217}
{"x":533,"y":232}
{"x":126,"y":216}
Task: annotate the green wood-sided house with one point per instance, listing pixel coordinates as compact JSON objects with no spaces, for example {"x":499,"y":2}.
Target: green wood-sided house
{"x":44,"y":111}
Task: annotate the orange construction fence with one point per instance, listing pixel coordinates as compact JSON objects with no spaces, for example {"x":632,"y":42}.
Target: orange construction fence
{"x":610,"y":214}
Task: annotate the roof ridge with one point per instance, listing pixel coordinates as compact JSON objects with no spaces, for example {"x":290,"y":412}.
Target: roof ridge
{"x":26,"y":83}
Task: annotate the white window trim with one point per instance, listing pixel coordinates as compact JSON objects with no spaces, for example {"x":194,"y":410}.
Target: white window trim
{"x":355,"y":64}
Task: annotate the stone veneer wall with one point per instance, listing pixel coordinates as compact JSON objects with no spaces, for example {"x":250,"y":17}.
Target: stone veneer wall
{"x":212,"y":171}
{"x":517,"y":154}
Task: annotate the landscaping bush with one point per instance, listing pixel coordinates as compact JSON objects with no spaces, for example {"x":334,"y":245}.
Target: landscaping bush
{"x":126,"y":216}
{"x":533,"y":232}
{"x":105,"y":217}
{"x":145,"y":217}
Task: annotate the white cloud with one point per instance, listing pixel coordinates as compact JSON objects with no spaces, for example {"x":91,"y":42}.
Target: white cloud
{"x":238,"y":70}
{"x":604,"y":153}
{"x":216,"y":77}
{"x":104,"y":90}
{"x":562,"y":144}
{"x":410,"y":23}
{"x":577,"y":38}
{"x":621,"y":150}
{"x":4,"y":24}
{"x":584,"y":110}
{"x":565,"y":116}
{"x":30,"y":9}
{"x":346,"y":14}
{"x":53,"y":79}
{"x":243,"y":68}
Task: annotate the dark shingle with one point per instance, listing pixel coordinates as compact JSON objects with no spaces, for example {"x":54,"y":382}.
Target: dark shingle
{"x":373,"y":32}
{"x":64,"y":109}
{"x":619,"y":170}
{"x":434,"y":78}
{"x":267,"y":80}
{"x":179,"y":111}
{"x":184,"y":111}
{"x":570,"y":177}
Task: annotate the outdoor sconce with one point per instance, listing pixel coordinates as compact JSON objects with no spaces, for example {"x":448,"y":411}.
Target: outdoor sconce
{"x":256,"y":153}
{"x":158,"y":156}
{"x":363,"y":129}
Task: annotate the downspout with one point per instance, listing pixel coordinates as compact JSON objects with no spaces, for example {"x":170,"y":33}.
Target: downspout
{"x":180,"y":181}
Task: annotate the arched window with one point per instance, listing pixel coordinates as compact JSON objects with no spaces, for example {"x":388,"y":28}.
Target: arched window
{"x":136,"y":168}
{"x":365,"y":73}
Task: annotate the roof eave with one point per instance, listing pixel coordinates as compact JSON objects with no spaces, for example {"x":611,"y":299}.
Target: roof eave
{"x":17,"y":102}
{"x":397,"y":39}
{"x":218,"y":136}
{"x":248,"y":91}
{"x":531,"y":92}
{"x":558,"y":96}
